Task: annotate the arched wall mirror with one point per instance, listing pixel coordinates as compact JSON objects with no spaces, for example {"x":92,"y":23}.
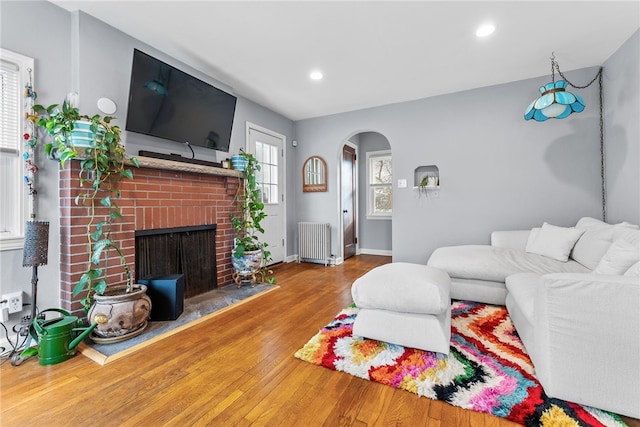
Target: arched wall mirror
{"x":314,"y":174}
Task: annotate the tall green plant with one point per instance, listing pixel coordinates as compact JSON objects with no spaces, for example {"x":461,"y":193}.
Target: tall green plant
{"x":102,"y":167}
{"x":247,"y":221}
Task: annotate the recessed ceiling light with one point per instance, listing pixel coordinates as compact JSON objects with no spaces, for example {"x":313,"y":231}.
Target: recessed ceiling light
{"x":315,"y":75}
{"x":485,"y":30}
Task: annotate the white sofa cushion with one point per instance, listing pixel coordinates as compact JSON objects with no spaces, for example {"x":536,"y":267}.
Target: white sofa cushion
{"x":587,"y":340}
{"x":597,"y":239}
{"x":522,"y":289}
{"x":514,"y":239}
{"x":634,"y":270}
{"x":482,"y":262}
{"x":486,"y":291}
{"x":552,"y":241}
{"x":403,"y":287}
{"x":620,"y":256}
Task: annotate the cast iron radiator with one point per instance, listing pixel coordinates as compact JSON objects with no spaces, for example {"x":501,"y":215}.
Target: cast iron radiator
{"x":314,"y":242}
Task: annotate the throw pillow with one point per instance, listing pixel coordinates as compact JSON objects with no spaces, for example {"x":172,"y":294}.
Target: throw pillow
{"x":597,"y":239}
{"x":634,"y":270}
{"x":552,"y":241}
{"x":618,"y":258}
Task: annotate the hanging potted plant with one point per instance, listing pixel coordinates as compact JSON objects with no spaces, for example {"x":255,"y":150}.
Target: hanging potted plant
{"x":121,"y":311}
{"x":250,"y":255}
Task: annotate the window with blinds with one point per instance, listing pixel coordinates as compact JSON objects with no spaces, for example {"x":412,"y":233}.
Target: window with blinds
{"x":13,"y":194}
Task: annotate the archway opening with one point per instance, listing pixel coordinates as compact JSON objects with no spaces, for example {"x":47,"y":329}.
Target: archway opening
{"x":366,"y":195}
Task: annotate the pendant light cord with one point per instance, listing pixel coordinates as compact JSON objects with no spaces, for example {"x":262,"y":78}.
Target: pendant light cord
{"x":602,"y":150}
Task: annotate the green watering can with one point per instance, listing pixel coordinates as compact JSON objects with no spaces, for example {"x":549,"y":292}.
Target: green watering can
{"x":59,"y":337}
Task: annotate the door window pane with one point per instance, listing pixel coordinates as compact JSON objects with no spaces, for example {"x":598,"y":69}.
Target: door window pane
{"x":267,"y":178}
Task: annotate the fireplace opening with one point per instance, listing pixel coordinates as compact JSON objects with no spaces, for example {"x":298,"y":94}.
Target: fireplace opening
{"x":190,"y":251}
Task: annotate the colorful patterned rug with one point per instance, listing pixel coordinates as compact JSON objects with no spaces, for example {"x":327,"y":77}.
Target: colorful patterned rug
{"x":487,"y":369}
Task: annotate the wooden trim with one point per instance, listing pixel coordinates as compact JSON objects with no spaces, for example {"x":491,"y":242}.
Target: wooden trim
{"x":151,"y":163}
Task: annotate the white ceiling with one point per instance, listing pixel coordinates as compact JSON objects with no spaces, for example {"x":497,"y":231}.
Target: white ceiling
{"x":371,"y":52}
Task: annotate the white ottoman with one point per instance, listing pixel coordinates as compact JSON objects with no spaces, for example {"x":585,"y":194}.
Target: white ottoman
{"x":404,"y":304}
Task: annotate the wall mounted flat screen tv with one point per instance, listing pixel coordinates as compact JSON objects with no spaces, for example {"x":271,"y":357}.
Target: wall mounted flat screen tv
{"x":171,"y":104}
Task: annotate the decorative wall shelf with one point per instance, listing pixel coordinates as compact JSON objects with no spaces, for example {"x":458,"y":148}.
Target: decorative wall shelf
{"x":431,"y":173}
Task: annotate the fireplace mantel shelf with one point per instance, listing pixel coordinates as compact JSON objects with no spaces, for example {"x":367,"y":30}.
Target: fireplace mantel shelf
{"x":152,"y":163}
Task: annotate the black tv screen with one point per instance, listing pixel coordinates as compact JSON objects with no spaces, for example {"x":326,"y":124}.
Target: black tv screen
{"x":171,"y":104}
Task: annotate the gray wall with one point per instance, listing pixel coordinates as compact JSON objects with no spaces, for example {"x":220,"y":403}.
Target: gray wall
{"x":373,"y":234}
{"x":76,"y":52}
{"x":48,"y":43}
{"x":622,"y":132}
{"x":497,"y":170}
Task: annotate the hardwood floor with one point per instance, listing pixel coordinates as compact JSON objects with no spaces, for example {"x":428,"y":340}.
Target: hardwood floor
{"x":235,"y":369}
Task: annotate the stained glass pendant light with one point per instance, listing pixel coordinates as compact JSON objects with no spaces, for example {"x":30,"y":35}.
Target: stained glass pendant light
{"x":555,"y":101}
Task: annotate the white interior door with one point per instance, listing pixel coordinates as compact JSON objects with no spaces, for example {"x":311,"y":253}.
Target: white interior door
{"x":268,"y":148}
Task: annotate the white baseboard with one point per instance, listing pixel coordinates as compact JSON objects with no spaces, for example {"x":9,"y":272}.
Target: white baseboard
{"x":382,"y":252}
{"x":291,"y":258}
{"x":329,"y":262}
{"x":340,"y":260}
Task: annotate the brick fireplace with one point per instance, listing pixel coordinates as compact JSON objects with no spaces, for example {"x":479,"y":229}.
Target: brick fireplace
{"x":163,"y":194}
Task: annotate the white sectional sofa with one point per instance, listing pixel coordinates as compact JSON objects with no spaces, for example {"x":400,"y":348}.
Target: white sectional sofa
{"x":573,"y":295}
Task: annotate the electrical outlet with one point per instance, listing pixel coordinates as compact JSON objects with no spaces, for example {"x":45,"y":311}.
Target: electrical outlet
{"x":14,"y":302}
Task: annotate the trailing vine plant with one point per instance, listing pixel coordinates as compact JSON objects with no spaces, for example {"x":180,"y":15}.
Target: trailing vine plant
{"x":247,"y":221}
{"x":102,"y":166}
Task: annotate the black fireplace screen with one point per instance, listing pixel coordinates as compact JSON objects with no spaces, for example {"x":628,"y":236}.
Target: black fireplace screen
{"x":183,"y":250}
